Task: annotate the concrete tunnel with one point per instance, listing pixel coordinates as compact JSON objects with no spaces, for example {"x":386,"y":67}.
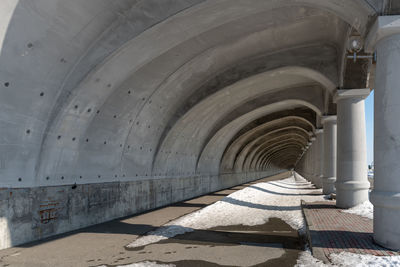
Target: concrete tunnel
{"x":114,"y":107}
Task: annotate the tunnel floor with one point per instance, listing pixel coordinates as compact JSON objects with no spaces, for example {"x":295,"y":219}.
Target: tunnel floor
{"x":274,"y":243}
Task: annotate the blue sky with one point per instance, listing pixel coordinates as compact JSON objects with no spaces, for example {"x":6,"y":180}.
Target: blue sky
{"x":369,"y":119}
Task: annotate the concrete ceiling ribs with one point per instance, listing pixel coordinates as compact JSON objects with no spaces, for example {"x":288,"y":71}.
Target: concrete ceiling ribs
{"x":125,"y":90}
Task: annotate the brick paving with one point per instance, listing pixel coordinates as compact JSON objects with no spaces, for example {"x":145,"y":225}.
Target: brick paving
{"x":331,"y":231}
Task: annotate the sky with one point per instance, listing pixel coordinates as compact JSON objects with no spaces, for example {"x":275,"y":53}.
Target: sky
{"x":369,"y":119}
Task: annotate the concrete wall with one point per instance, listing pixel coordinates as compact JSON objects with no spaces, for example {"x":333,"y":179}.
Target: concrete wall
{"x":30,"y":214}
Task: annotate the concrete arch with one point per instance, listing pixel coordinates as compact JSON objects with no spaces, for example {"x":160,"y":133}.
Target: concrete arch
{"x":245,"y":157}
{"x":249,"y":151}
{"x":201,"y":120}
{"x":282,"y":150}
{"x":262,"y":150}
{"x":232,"y":151}
{"x":219,"y":142}
{"x":276,"y":159}
{"x":118,"y":58}
{"x":135,"y":140}
{"x":287,"y":157}
{"x":136,"y":102}
{"x":279,"y":153}
{"x":252,"y":153}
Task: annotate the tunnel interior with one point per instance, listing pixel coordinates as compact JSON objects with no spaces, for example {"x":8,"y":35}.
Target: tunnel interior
{"x":110,"y":108}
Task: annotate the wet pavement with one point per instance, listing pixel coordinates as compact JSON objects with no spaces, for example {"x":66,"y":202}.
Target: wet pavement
{"x":274,"y":243}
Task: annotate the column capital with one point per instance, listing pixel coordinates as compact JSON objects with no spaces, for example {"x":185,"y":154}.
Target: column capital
{"x":383,"y":27}
{"x":351,"y":93}
{"x":319,"y":131}
{"x":328,"y":118}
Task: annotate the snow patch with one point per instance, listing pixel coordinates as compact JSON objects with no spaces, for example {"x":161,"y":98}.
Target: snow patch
{"x":253,"y":205}
{"x":362,"y":260}
{"x":306,"y":259}
{"x":365,"y":209}
{"x":347,"y":259}
{"x":145,"y":264}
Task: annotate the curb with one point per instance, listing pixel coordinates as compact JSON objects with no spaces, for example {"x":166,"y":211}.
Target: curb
{"x":312,"y":237}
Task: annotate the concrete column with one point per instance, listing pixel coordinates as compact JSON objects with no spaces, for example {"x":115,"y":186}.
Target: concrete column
{"x":385,"y":38}
{"x":352,"y":170}
{"x":309,"y":159}
{"x":315,"y":160}
{"x":305,"y":174}
{"x":312,"y":159}
{"x":329,"y":164}
{"x":319,"y":148}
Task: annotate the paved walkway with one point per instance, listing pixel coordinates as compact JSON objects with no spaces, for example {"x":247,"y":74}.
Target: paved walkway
{"x":104,"y":244}
{"x":333,"y":231}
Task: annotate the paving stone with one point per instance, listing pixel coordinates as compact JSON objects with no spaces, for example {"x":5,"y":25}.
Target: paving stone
{"x":332,"y":231}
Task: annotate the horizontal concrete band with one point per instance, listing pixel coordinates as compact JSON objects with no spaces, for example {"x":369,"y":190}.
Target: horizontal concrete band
{"x":389,"y":200}
{"x":351,"y":93}
{"x":384,"y":27}
{"x":331,"y":118}
{"x":331,"y":180}
{"x":352,"y":185}
{"x":51,"y":210}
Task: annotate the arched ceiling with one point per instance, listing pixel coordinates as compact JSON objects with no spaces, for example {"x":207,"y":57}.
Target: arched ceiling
{"x":102,"y":90}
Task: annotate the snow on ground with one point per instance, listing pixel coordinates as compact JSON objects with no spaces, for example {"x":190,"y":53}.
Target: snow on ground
{"x":306,"y":259}
{"x":347,"y":259}
{"x":144,"y":264}
{"x":365,"y":209}
{"x":359,"y":260}
{"x":253,"y":205}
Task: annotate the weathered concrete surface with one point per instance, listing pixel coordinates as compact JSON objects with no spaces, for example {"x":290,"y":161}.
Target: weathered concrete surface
{"x":352,"y":177}
{"x":386,"y":193}
{"x":110,"y":94}
{"x":35,"y":213}
{"x":104,"y":243}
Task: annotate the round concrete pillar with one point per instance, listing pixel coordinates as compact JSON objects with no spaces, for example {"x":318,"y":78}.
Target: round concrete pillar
{"x":312,"y":159}
{"x":329,"y":156}
{"x":352,"y":173}
{"x":307,"y":162}
{"x":319,"y":145}
{"x":385,"y":37}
